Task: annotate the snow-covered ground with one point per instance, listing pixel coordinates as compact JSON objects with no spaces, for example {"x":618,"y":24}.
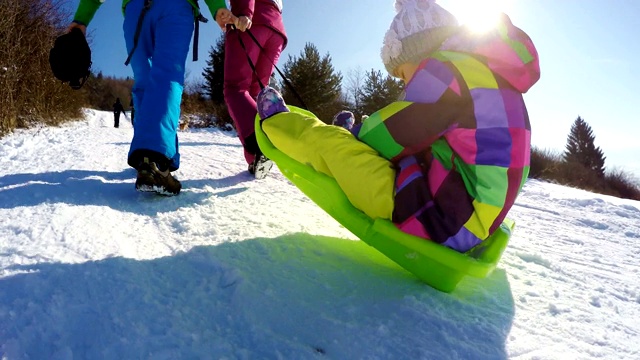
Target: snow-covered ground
{"x":236,"y":268}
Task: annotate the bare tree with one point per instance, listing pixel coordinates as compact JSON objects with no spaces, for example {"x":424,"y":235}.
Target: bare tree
{"x":28,"y":91}
{"x":353,"y":89}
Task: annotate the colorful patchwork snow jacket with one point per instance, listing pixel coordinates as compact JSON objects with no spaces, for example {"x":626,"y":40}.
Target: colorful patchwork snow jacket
{"x":460,"y":140}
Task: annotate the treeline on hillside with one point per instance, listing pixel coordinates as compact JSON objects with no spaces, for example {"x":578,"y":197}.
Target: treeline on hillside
{"x":325,"y":92}
{"x":30,"y":94}
{"x":28,"y":91}
{"x":582,"y":165}
{"x":313,"y":78}
{"x":100,"y":92}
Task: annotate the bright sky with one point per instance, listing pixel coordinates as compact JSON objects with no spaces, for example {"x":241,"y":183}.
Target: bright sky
{"x":235,"y":268}
{"x":586,"y":47}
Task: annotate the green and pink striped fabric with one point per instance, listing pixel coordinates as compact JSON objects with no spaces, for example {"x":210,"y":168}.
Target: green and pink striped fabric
{"x":461,"y":137}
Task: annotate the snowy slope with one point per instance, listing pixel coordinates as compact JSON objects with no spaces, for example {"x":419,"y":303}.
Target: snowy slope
{"x":242,"y":269}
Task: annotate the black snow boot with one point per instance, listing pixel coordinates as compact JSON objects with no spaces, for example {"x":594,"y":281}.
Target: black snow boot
{"x":260,"y":167}
{"x":151,"y":179}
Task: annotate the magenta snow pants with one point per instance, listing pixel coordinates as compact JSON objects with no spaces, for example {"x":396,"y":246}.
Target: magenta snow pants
{"x":241,"y":86}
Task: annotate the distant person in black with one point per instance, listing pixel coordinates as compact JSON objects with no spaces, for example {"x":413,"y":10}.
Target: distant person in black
{"x":117,"y":109}
{"x":133,"y":110}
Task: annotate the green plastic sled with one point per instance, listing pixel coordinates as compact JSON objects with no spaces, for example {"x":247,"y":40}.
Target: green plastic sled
{"x":434,"y":264}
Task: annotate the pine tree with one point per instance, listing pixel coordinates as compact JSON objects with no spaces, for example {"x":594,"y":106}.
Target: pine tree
{"x":213,"y":75}
{"x":378,"y":92}
{"x":581,"y":148}
{"x":316,"y":81}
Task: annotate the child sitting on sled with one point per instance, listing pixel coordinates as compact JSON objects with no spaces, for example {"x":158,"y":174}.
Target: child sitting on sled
{"x":447,"y":162}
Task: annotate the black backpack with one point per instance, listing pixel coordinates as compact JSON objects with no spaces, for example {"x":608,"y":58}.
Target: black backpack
{"x":70,"y":58}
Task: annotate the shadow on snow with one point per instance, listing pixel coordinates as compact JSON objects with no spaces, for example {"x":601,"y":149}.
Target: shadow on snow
{"x":103,"y":188}
{"x":295,"y":296}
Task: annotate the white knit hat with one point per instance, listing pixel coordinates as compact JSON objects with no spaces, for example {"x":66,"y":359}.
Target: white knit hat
{"x":419,"y":28}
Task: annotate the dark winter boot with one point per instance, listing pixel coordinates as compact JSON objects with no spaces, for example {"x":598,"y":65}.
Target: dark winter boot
{"x":260,"y":167}
{"x":152,"y":179}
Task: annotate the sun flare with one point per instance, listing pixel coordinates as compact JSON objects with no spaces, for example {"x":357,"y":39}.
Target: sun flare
{"x":479,"y":16}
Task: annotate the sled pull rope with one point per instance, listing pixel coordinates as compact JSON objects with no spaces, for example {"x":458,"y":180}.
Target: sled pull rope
{"x":284,"y":78}
{"x":253,"y":67}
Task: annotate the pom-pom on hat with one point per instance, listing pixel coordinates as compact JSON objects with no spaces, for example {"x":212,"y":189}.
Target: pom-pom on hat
{"x":418,"y":29}
{"x":345,"y":119}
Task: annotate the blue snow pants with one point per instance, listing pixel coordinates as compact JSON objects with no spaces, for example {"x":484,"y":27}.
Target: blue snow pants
{"x":158,"y":65}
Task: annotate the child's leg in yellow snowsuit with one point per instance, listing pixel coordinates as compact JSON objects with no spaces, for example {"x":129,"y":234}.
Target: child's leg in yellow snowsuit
{"x":366,"y":178}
